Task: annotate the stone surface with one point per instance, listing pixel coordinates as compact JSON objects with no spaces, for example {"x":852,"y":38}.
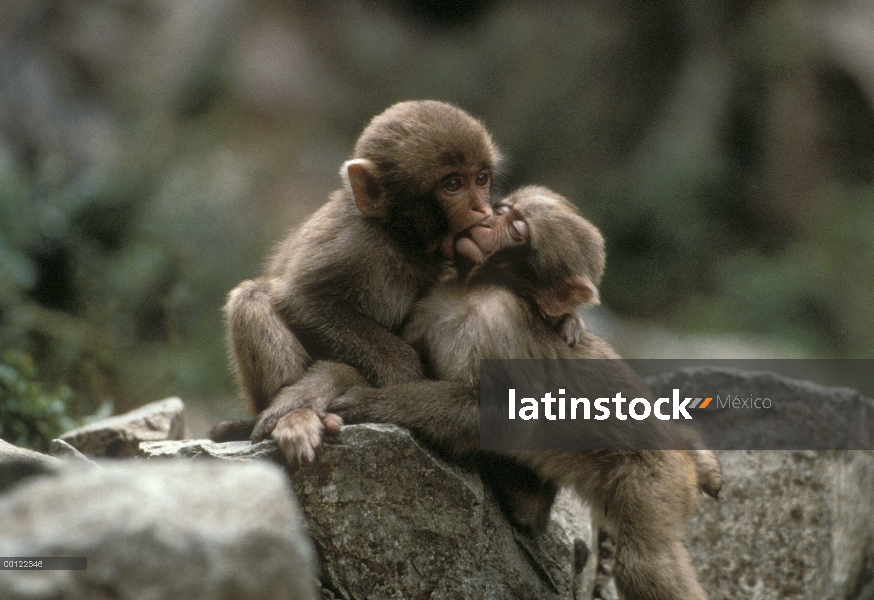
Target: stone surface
{"x":207,"y":448}
{"x":791,"y":524}
{"x":803,"y":416}
{"x":121,"y":435}
{"x":391,"y":520}
{"x":18,"y":463}
{"x":168,"y":530}
{"x":61,"y":449}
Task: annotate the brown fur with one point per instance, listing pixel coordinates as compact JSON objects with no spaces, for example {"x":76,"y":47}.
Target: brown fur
{"x":645,"y":497}
{"x":340,"y":287}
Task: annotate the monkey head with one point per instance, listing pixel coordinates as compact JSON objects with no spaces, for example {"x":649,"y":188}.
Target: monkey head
{"x":538,"y":243}
{"x":423,"y":168}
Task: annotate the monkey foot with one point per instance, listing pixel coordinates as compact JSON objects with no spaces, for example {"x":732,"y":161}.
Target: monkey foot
{"x":299,"y":432}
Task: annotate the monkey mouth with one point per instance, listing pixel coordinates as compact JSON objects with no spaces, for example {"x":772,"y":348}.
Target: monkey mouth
{"x":476,"y":244}
{"x":467,"y":247}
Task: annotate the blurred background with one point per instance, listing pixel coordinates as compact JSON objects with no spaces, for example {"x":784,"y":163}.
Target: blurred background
{"x":153,"y":151}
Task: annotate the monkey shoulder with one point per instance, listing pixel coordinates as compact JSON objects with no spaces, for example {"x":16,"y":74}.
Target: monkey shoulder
{"x":456,"y":326}
{"x":320,"y":237}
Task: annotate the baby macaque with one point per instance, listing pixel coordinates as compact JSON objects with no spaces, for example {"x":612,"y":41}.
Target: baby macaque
{"x":537,"y":257}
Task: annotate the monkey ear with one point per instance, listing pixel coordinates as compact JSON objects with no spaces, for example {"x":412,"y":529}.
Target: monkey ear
{"x":360,"y":176}
{"x":565,"y":296}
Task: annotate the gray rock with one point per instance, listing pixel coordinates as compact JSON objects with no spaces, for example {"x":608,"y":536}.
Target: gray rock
{"x":167,"y":530}
{"x":207,"y":448}
{"x":121,"y":435}
{"x":61,"y":449}
{"x":791,"y":524}
{"x":803,"y":416}
{"x":392,"y":520}
{"x":19,"y":463}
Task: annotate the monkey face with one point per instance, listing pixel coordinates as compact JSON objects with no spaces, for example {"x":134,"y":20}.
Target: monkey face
{"x":429,"y":152}
{"x":539,"y":245}
{"x":464,"y":196}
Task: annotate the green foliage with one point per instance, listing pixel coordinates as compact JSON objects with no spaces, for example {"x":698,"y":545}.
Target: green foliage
{"x":30,"y":415}
{"x":815,"y":291}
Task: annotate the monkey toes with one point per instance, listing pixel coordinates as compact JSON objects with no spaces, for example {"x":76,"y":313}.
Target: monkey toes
{"x":265,"y":424}
{"x":299,"y":432}
{"x":709,"y":472}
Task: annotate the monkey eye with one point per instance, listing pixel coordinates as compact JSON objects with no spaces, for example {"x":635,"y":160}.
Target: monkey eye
{"x":453,"y":184}
{"x":501,"y":209}
{"x":521,"y":229}
{"x":483,"y":179}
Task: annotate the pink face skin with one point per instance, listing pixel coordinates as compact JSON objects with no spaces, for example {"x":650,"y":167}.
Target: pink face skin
{"x":506,"y":228}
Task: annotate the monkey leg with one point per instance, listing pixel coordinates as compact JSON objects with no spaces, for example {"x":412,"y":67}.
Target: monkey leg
{"x":646,"y":497}
{"x":232,"y":430}
{"x":322,"y":382}
{"x":298,"y":418}
{"x":524,"y":496}
{"x":266,"y":355}
{"x":446,"y":413}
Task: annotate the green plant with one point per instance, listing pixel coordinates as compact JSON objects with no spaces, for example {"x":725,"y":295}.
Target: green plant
{"x":30,"y":415}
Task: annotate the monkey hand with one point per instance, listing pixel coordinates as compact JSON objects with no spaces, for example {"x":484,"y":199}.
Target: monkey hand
{"x":299,"y":432}
{"x":572,"y":329}
{"x":353,"y":405}
{"x":394,"y":404}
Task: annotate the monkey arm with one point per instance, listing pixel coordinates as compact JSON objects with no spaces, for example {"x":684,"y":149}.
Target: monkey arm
{"x":444,"y":412}
{"x":335,"y":329}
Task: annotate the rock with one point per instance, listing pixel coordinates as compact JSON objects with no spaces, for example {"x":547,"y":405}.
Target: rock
{"x":18,"y":463}
{"x":605,"y":583}
{"x":208,"y":448}
{"x":121,"y":435}
{"x":392,"y":520}
{"x":791,"y":524}
{"x":803,"y":416}
{"x":61,"y":449}
{"x":162,"y":531}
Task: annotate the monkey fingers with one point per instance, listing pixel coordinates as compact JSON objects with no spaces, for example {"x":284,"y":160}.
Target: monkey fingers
{"x":350,"y":406}
{"x":572,"y":329}
{"x":298,"y":434}
{"x":267,"y":420}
